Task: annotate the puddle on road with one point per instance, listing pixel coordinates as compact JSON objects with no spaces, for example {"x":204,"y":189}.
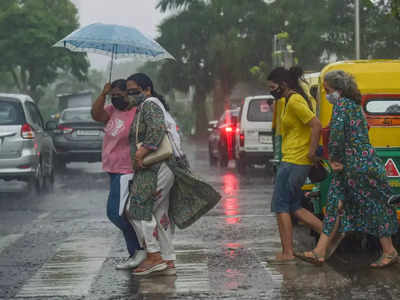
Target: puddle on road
{"x":192,"y":276}
{"x":71,"y":271}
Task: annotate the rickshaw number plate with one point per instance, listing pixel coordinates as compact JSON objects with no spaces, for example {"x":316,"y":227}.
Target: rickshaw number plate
{"x":265,"y":139}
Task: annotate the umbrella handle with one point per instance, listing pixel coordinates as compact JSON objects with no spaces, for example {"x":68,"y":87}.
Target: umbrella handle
{"x":112,"y":60}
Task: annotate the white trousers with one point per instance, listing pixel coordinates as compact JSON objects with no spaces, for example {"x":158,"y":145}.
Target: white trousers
{"x":157,"y":235}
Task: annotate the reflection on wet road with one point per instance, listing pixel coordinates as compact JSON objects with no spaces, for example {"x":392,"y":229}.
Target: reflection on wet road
{"x":61,"y":246}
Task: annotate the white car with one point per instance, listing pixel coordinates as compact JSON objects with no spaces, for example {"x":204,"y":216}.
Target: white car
{"x":254,"y":137}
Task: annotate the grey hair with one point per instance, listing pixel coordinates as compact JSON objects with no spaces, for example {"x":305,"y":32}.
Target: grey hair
{"x":345,"y":83}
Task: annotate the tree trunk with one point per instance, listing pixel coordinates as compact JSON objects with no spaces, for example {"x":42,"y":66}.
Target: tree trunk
{"x":226,"y":90}
{"x":218,"y":99}
{"x":222,"y":92}
{"x":16,"y":79}
{"x":199,"y":101}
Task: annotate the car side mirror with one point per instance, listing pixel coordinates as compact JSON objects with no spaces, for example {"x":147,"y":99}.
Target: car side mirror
{"x":51,"y":125}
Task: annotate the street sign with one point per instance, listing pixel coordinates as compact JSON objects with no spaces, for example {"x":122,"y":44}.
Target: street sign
{"x":391,"y":169}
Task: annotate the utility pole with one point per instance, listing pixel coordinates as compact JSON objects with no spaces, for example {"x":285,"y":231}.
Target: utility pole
{"x":357,"y":28}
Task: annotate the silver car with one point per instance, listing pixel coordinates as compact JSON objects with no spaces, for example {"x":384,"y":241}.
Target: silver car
{"x":77,"y":137}
{"x":26,"y":148}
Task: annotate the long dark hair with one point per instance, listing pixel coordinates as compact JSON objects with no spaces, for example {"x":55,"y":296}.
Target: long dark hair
{"x":145,"y":82}
{"x":292,"y":77}
{"x":120,"y":84}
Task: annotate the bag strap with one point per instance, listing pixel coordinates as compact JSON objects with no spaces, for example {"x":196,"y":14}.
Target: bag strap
{"x":137,"y":126}
{"x":291,"y":94}
{"x":157,"y":102}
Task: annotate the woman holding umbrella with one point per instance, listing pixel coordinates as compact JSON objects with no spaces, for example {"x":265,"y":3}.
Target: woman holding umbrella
{"x":116,"y":160}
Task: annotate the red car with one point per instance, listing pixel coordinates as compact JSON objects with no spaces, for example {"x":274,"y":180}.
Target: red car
{"x":221,"y":142}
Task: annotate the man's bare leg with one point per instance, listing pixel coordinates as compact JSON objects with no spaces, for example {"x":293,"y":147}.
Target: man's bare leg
{"x":309,"y":219}
{"x":286,"y":233}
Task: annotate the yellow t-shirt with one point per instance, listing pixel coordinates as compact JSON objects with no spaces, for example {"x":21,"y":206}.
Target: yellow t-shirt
{"x":295,"y":132}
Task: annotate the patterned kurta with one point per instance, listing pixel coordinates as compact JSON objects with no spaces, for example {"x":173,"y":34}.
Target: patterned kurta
{"x":362,"y":185}
{"x":144,"y":184}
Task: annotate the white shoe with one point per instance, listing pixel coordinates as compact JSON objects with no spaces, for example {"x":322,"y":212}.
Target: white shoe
{"x":134,"y":261}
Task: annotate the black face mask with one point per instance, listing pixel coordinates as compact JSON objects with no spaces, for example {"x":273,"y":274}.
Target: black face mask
{"x":119,"y":102}
{"x":277,"y":93}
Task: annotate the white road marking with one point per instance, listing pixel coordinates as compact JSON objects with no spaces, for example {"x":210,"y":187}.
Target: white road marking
{"x":9,"y":239}
{"x":192,"y":276}
{"x":6,"y":241}
{"x":72,"y":270}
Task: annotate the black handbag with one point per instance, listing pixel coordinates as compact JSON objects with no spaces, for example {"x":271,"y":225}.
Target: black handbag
{"x":318,"y":172}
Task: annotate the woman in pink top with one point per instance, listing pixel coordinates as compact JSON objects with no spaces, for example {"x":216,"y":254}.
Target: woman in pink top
{"x":116,"y":158}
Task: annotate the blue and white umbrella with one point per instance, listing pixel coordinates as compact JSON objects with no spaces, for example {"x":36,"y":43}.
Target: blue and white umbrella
{"x":114,"y":40}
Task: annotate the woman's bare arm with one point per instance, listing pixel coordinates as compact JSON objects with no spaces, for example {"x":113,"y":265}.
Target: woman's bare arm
{"x":98,"y":112}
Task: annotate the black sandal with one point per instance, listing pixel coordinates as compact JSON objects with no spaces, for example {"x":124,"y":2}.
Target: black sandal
{"x":393,"y":258}
{"x":315,"y":259}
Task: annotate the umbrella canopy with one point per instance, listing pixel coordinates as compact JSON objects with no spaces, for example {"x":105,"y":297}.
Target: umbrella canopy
{"x":115,"y":41}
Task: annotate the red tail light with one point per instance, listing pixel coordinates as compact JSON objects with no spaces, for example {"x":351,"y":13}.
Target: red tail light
{"x":27,"y":131}
{"x":228,"y":129}
{"x":65,"y":129}
{"x":241,"y":138}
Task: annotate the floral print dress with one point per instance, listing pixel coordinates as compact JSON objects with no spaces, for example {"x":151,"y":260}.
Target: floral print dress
{"x":362,"y":185}
{"x":150,"y":120}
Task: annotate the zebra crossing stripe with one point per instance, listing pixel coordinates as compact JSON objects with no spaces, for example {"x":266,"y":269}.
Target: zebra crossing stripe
{"x":192,"y":276}
{"x":71,"y":271}
{"x":9,"y":239}
{"x":6,"y":241}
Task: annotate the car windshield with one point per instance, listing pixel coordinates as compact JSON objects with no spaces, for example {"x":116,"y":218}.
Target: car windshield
{"x":386,"y":106}
{"x":10,"y":113}
{"x":260,"y":111}
{"x":77,"y":115}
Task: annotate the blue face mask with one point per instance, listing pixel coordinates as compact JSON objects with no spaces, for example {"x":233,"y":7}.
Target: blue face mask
{"x":333,"y":98}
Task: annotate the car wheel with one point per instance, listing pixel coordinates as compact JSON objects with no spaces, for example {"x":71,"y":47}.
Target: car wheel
{"x":36,"y":182}
{"x":241,"y":165}
{"x":49,"y":180}
{"x":213,"y":161}
{"x":224,"y":161}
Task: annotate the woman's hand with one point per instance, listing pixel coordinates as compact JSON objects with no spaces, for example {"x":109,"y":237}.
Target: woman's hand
{"x":106,"y":89}
{"x":139,"y":157}
{"x":336,"y":166}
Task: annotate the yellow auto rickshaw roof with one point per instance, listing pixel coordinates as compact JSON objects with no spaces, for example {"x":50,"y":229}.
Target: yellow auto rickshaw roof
{"x":372,"y":76}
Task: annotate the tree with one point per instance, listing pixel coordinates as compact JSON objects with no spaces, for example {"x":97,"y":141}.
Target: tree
{"x":191,"y":67}
{"x":164,"y":5}
{"x":219,"y":41}
{"x":28,"y":29}
{"x":227,"y":38}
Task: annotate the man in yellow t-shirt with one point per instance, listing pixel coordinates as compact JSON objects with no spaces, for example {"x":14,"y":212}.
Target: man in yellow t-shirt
{"x":295,"y":130}
{"x":300,"y":130}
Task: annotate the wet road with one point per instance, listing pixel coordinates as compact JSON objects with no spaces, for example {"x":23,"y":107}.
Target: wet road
{"x":61,"y":246}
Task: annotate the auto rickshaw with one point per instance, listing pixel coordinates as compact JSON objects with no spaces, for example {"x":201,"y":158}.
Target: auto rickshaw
{"x":379,"y":84}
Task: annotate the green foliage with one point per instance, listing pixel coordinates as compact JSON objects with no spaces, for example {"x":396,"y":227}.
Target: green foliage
{"x":28,"y":29}
{"x":164,"y":5}
{"x":395,"y":6}
{"x":218,"y":43}
{"x":260,"y":72}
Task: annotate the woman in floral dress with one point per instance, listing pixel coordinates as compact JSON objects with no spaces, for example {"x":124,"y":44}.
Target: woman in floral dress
{"x":150,"y":189}
{"x":359,"y":191}
{"x":163,"y":194}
